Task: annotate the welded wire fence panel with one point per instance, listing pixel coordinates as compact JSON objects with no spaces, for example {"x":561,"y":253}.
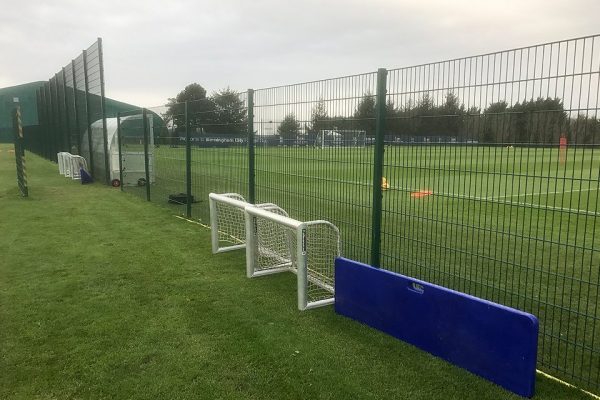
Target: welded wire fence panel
{"x":169,"y":158}
{"x":133,"y":154}
{"x":313,"y":154}
{"x":70,"y":108}
{"x":493,"y":170}
{"x":219,"y":148}
{"x":72,"y":114}
{"x":96,"y":112}
{"x":47,"y":128}
{"x":54,"y":119}
{"x":37,"y":142}
{"x":61,"y":112}
{"x":80,"y":106}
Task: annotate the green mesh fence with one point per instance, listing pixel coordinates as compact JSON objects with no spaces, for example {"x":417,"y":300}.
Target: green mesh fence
{"x":80,"y":107}
{"x":70,"y":110}
{"x":169,"y":155}
{"x":95,"y":112}
{"x":313,"y":157}
{"x":193,"y":148}
{"x":135,"y":150}
{"x":494,"y":180}
{"x":481,"y":173}
{"x":219,"y":148}
{"x":72,"y":116}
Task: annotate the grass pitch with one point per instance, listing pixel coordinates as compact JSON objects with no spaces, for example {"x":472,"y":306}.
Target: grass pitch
{"x":105,"y":296}
{"x":514,"y":225}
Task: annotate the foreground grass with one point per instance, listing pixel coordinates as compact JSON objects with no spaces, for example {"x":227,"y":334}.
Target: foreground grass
{"x":105,"y":296}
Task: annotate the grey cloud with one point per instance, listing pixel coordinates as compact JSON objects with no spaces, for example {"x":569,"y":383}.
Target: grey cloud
{"x":154,"y":48}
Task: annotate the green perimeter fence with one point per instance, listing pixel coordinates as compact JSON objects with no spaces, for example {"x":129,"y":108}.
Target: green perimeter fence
{"x":72,"y":112}
{"x":480,"y":174}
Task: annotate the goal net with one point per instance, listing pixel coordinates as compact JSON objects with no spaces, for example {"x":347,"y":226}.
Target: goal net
{"x":276,"y":243}
{"x":227,"y":224}
{"x":341,"y":138}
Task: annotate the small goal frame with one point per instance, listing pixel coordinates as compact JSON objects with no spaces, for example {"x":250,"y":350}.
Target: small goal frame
{"x":299,"y":256}
{"x":336,"y":138}
{"x":70,"y":164}
{"x":236,"y":201}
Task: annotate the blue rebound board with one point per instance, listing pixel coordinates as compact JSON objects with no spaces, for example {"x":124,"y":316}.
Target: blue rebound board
{"x":495,"y":342}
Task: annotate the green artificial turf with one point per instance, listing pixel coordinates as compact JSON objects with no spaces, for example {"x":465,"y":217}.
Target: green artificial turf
{"x":104,"y":296}
{"x":513,"y":225}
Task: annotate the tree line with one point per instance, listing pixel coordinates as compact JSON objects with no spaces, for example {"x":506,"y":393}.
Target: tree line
{"x":538,"y":121}
{"x":223,"y":112}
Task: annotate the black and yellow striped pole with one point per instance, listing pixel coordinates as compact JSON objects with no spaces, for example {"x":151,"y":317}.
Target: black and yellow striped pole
{"x":20,"y":153}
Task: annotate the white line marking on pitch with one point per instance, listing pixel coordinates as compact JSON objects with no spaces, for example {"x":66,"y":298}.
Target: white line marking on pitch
{"x":547,"y":207}
{"x":498,"y":199}
{"x":540,"y":193}
{"x":517,"y":203}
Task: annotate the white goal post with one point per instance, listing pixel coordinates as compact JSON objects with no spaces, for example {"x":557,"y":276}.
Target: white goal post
{"x":277,"y":243}
{"x":340,"y":138}
{"x":227,"y":227}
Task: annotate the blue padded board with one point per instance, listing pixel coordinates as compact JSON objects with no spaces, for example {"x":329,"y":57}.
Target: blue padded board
{"x":493,"y":341}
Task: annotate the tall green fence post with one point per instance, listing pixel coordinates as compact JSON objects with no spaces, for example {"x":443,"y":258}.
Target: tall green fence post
{"x":251,"y":156}
{"x":120,"y":150}
{"x":43,"y":123}
{"x":146,"y":156}
{"x":103,"y":112}
{"x":33,"y":146}
{"x":42,"y":145}
{"x":87,"y":113}
{"x":54,"y":123}
{"x":66,"y":105}
{"x":378,"y":166}
{"x":62,"y":136}
{"x":188,"y":164}
{"x":56,"y":112}
{"x":48,"y":132}
{"x":76,"y":108}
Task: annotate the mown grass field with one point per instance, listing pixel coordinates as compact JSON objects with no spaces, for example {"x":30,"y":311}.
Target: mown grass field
{"x":105,"y":296}
{"x":512,"y":225}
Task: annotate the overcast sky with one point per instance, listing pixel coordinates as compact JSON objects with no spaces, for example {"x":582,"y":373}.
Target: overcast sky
{"x":152,"y":49}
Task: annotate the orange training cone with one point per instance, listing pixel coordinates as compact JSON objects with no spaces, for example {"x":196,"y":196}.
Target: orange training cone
{"x":384,"y":184}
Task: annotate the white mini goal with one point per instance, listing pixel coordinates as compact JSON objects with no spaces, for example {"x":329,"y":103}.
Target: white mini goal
{"x":227,"y":227}
{"x":276,"y":243}
{"x":62,"y":158}
{"x":340,"y":138}
{"x":70,"y":165}
{"x":76,"y":164}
